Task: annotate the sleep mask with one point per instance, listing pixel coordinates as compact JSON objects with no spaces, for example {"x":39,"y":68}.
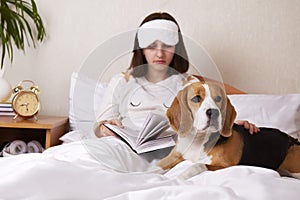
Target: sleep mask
{"x":163,"y":30}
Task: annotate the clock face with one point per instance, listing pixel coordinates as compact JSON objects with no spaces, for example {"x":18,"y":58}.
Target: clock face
{"x":26,"y":104}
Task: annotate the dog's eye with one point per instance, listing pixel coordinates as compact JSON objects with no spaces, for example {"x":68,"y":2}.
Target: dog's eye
{"x":196,"y":99}
{"x":218,"y":99}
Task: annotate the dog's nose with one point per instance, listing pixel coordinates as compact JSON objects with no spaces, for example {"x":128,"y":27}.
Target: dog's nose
{"x":212,"y":113}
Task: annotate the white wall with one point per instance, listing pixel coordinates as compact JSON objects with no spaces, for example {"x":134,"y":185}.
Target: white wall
{"x":254,"y":43}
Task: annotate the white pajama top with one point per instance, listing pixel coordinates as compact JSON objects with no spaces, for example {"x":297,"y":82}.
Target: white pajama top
{"x":131,"y":100}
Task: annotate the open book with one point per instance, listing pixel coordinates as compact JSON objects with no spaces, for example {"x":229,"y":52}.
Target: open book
{"x":155,"y":134}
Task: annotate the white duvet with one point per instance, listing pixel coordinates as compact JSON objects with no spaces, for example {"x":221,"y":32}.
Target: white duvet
{"x":107,"y":169}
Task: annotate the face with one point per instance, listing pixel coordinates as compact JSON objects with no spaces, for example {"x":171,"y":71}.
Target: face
{"x":26,"y":104}
{"x":159,"y":55}
{"x":206,"y":103}
{"x":197,"y":106}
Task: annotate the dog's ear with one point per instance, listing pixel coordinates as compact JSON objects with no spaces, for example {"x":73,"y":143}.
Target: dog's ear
{"x":230,"y":115}
{"x":179,"y":114}
{"x":173,"y":114}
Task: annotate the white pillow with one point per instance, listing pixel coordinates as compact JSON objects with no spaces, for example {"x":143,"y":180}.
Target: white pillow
{"x":84,"y":99}
{"x":71,"y":136}
{"x":275,"y":111}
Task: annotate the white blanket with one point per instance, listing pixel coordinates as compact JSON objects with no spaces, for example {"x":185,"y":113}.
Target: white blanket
{"x":107,"y":169}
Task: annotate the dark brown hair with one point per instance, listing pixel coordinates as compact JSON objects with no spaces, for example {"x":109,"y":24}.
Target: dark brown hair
{"x":179,"y":63}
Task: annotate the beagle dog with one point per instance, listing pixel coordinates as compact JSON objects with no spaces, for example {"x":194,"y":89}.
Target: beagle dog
{"x":203,"y":118}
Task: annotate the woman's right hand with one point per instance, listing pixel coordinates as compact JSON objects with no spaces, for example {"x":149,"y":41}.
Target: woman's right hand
{"x":103,"y":131}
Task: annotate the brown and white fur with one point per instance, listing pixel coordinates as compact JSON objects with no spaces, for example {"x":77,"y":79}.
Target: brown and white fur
{"x":203,"y":118}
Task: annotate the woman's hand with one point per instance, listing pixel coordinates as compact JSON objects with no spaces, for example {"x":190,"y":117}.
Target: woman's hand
{"x":103,"y":131}
{"x":247,"y":125}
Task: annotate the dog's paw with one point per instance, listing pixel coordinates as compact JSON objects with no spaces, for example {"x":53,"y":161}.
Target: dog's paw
{"x":192,"y":171}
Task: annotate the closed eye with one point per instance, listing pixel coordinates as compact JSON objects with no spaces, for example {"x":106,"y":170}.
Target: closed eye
{"x":166,"y":105}
{"x":135,"y":105}
{"x":196,"y":99}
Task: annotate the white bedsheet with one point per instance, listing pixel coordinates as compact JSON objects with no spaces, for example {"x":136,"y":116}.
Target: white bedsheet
{"x":107,"y":169}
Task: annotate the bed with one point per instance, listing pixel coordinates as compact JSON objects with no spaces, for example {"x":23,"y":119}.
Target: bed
{"x":85,"y":167}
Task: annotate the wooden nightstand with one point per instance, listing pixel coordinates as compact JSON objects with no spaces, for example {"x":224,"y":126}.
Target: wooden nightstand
{"x":46,"y":129}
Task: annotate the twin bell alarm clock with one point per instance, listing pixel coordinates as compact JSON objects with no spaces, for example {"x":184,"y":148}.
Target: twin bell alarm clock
{"x":25,"y":102}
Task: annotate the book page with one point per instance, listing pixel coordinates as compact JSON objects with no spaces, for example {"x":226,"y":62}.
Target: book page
{"x":156,"y":144}
{"x":154,"y":124}
{"x":150,"y":122}
{"x":128,"y":134}
{"x":152,"y":133}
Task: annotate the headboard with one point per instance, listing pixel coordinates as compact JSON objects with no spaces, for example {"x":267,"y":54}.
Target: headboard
{"x":232,"y":90}
{"x":228,"y":88}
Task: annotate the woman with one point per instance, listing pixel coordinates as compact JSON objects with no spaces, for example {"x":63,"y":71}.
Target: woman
{"x":156,"y":73}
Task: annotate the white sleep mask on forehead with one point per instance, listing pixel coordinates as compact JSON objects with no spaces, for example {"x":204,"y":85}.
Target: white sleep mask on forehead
{"x":163,"y":30}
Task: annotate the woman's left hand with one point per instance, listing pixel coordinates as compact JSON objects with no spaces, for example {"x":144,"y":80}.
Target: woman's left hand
{"x":247,"y":125}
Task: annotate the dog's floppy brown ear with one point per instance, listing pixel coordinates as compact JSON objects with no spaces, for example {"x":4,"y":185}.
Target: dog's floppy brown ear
{"x":179,"y":114}
{"x":230,"y":115}
{"x":173,"y":114}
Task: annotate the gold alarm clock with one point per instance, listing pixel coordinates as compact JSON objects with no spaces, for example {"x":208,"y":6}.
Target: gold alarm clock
{"x":25,"y":102}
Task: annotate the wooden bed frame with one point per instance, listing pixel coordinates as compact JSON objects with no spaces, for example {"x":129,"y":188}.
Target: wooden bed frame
{"x":232,"y":90}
